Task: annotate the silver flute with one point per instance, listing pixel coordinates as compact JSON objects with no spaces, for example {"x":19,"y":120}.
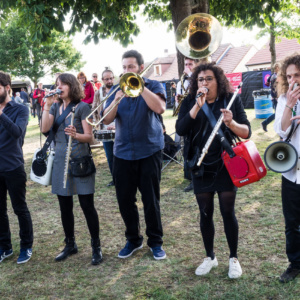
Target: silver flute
{"x":69,"y":149}
{"x":217,"y":126}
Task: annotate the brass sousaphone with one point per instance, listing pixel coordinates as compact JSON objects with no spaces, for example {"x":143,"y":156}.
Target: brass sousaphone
{"x":197,"y":36}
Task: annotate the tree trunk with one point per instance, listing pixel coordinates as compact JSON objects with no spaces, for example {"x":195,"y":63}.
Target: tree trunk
{"x":181,"y":9}
{"x":272,"y":48}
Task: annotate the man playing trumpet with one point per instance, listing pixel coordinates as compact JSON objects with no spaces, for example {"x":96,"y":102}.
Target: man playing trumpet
{"x":137,"y":157}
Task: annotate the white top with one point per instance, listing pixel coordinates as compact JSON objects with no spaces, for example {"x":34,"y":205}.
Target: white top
{"x":186,"y":84}
{"x":294,"y":174}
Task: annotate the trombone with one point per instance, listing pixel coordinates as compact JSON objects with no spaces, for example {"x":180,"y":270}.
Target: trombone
{"x":131,"y":84}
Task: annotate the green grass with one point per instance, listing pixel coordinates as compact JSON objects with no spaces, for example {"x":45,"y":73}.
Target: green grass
{"x":261,"y":242}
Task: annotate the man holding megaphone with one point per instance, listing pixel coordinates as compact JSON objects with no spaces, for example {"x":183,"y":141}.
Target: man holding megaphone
{"x":286,"y":125}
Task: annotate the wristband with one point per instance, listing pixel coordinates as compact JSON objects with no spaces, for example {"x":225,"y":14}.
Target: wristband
{"x":293,"y":112}
{"x":198,"y":104}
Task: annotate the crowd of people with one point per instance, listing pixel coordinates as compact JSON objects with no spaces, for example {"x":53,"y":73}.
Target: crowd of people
{"x":135,"y":155}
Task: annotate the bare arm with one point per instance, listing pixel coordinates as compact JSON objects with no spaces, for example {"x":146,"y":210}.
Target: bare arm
{"x":85,"y":137}
{"x":240,"y":130}
{"x":112,"y":115}
{"x":47,"y":119}
{"x":291,"y":98}
{"x":154,"y":101}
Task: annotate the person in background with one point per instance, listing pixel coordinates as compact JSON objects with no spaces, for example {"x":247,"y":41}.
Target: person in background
{"x":108,"y":79}
{"x":24,"y":96}
{"x":13,"y":124}
{"x":138,"y":157}
{"x":173,"y":92}
{"x":272,"y":83}
{"x":32,"y":104}
{"x":96,"y":82}
{"x":189,"y":65}
{"x":288,"y":109}
{"x":18,"y":99}
{"x":212,"y":177}
{"x":84,"y":187}
{"x":39,"y":94}
{"x":87,"y":88}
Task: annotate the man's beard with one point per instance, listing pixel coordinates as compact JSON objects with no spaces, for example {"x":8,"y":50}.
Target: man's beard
{"x":109,"y":85}
{"x":3,"y":96}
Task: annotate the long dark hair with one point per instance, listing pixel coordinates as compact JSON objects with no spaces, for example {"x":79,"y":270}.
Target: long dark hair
{"x":76,"y":92}
{"x":224,"y":87}
{"x":283,"y":84}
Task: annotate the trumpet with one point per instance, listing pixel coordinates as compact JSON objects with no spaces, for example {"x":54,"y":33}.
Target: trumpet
{"x":131,"y":84}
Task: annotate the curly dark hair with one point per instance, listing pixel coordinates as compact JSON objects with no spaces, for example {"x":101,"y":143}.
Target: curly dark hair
{"x":283,"y":84}
{"x":224,"y":87}
{"x":76,"y":92}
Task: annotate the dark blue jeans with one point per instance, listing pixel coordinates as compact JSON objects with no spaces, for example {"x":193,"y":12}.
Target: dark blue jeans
{"x":15,"y":183}
{"x":109,"y":152}
{"x":291,"y":210}
{"x":143,"y":174}
{"x":271,"y":118}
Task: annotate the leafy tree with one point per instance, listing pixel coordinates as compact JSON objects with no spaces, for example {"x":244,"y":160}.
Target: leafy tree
{"x":100,"y":19}
{"x":277,"y":18}
{"x":22,"y":57}
{"x":116,"y":19}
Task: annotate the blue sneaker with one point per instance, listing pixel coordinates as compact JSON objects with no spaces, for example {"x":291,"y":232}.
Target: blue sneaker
{"x":158,"y":253}
{"x":25,"y":255}
{"x":5,"y":253}
{"x":129,"y":249}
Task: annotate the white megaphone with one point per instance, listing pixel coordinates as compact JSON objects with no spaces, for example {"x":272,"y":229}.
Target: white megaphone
{"x":281,"y":157}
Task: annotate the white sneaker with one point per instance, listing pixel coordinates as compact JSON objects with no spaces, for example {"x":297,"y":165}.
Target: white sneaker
{"x":206,"y":266}
{"x":235,"y":270}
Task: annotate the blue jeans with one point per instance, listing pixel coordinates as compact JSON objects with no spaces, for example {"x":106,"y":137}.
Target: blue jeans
{"x":271,"y":118}
{"x":109,"y":152}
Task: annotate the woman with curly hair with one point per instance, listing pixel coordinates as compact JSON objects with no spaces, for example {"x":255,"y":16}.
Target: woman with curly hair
{"x":87,"y":87}
{"x":210,"y":80}
{"x":288,"y":109}
{"x":84,"y":187}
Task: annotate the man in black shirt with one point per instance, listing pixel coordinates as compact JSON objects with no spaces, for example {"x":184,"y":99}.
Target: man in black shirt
{"x":13,"y":123}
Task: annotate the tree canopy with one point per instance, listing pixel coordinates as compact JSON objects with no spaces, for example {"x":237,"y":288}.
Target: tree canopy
{"x":117,"y":19}
{"x":22,"y":57}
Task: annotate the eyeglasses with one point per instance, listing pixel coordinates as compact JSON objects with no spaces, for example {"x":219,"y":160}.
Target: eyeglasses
{"x":106,"y":79}
{"x":207,"y":79}
{"x":81,"y":78}
{"x":95,"y":76}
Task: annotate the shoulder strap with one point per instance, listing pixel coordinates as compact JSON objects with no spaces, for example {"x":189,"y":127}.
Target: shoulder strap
{"x":212,"y":120}
{"x":55,"y":127}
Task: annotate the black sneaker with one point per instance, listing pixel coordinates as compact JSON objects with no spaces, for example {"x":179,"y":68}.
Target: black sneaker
{"x":110,"y":184}
{"x":289,"y":274}
{"x":189,"y":188}
{"x":264,"y":126}
{"x":5,"y":253}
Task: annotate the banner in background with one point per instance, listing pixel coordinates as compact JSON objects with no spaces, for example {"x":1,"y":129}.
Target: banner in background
{"x":265,"y":76}
{"x":235,"y":79}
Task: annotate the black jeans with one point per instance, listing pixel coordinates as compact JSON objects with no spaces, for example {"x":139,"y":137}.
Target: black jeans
{"x":89,"y":210}
{"x":143,"y":174}
{"x":15,"y":183}
{"x":291,"y":210}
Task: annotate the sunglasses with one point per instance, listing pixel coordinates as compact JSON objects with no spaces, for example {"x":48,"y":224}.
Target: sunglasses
{"x":207,"y":79}
{"x":95,"y":76}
